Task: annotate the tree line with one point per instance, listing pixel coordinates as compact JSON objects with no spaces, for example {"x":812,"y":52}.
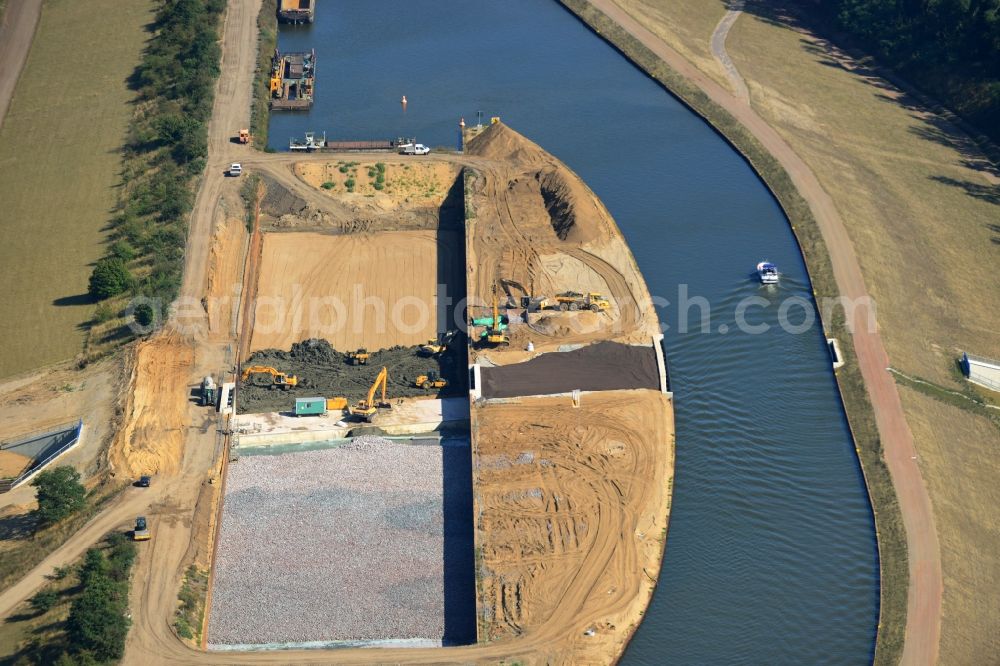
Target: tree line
{"x":165,"y":151}
{"x":950,"y":48}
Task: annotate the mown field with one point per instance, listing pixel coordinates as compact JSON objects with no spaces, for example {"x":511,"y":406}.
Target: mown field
{"x":59,"y":167}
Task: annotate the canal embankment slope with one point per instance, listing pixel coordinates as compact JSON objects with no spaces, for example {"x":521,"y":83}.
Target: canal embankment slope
{"x":903,"y":159}
{"x":573,"y":467}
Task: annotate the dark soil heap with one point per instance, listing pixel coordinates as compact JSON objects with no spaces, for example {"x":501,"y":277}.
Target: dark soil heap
{"x":324,"y":371}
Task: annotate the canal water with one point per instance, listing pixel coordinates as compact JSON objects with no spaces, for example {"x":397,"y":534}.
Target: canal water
{"x":771,"y":556}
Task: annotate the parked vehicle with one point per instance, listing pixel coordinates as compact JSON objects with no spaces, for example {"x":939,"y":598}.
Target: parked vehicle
{"x":235,"y":169}
{"x":414,"y":149}
{"x":144,"y":481}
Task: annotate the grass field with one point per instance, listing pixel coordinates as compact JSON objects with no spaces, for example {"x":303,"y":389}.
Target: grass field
{"x":59,"y":164}
{"x":923,"y":222}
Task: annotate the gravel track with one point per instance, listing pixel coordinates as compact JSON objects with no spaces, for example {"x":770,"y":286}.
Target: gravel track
{"x":340,"y":544}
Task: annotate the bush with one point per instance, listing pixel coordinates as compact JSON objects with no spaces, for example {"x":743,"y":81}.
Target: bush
{"x":343,"y":168}
{"x":103,"y":312}
{"x":110,"y":277}
{"x":97,"y":623}
{"x":378,"y":186}
{"x":328,"y":185}
{"x":143,"y":314}
{"x":60,"y":494}
{"x":44,"y":600}
{"x":121,"y":249}
{"x":380,"y":166}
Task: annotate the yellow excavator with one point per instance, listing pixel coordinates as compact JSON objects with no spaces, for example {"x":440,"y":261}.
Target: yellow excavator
{"x":279,"y":379}
{"x":494,"y":335}
{"x":368,"y":408}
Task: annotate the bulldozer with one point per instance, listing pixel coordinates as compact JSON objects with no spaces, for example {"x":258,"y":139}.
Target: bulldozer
{"x":367,"y":409}
{"x":438,"y":346}
{"x":359,"y":357}
{"x":571,"y":300}
{"x":278,"y":379}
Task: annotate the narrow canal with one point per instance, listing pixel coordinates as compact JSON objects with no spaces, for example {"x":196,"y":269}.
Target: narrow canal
{"x":771,"y":556}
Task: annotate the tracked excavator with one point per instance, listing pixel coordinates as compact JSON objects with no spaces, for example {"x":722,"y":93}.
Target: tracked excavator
{"x":278,"y":379}
{"x":494,"y":335}
{"x":368,"y":408}
{"x":526,"y":301}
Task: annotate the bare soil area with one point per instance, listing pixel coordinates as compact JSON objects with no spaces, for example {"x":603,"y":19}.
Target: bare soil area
{"x":152,"y":439}
{"x":374,"y":290}
{"x":570,"y":516}
{"x":535,"y":222}
{"x":408,"y":183}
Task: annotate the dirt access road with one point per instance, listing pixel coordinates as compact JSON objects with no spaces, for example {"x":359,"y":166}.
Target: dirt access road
{"x":17,"y":30}
{"x":923,"y":623}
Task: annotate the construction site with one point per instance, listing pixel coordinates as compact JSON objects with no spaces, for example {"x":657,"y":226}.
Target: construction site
{"x":438,"y":358}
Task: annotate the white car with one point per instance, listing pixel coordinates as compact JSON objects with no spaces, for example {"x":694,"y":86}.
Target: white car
{"x":414,"y":149}
{"x":235,"y":169}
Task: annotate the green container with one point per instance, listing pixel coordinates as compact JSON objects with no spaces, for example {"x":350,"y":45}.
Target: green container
{"x":310,"y":406}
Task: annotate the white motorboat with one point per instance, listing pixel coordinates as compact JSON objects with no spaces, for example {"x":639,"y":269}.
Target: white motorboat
{"x":767,"y":272}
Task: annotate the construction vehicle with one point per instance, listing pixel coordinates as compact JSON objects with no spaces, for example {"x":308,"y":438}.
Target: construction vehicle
{"x":431,"y":380}
{"x":244,"y":135}
{"x":368,"y":408}
{"x":208,"y":391}
{"x":292,"y":81}
{"x":572,"y":300}
{"x":279,"y":379}
{"x":494,"y":334}
{"x":438,"y":346}
{"x":527,"y":301}
{"x":141,"y":531}
{"x":310,"y":144}
{"x":359,"y":357}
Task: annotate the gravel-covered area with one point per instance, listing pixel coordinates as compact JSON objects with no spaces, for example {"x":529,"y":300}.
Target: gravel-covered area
{"x":341,"y":544}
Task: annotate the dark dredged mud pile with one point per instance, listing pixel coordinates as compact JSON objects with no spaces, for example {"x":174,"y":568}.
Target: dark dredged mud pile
{"x":605,"y":366}
{"x":324,"y":371}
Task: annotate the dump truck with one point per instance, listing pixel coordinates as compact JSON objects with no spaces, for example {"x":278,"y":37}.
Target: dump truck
{"x":359,"y":356}
{"x":208,"y":392}
{"x":571,"y":300}
{"x":141,"y":531}
{"x":296,"y":11}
